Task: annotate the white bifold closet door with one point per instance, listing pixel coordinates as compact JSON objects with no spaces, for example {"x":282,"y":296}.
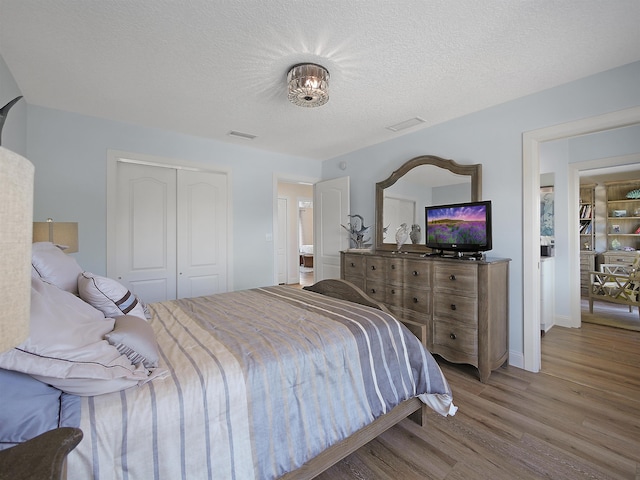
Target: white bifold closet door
{"x":171,"y":231}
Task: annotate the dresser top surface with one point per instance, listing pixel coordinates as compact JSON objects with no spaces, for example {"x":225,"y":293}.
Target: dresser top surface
{"x":418,"y":256}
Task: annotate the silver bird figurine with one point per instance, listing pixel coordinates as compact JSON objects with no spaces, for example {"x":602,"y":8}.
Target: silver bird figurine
{"x":402,"y":234}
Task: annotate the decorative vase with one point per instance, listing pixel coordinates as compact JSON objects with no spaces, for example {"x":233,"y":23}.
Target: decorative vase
{"x":615,"y":244}
{"x":416,"y":234}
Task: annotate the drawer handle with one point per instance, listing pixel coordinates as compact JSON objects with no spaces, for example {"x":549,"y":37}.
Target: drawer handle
{"x":452,"y":336}
{"x":415,"y":273}
{"x":453,"y":306}
{"x":393,"y":267}
{"x":415,"y":300}
{"x":373,"y":267}
{"x":452,"y":277}
{"x":373,"y":290}
{"x":353,"y":264}
{"x":393,"y":292}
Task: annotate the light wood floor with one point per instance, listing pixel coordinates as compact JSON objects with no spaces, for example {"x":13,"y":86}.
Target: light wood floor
{"x":579,"y":418}
{"x":611,"y":314}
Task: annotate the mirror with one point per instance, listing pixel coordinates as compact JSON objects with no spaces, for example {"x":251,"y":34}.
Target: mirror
{"x":422,"y":181}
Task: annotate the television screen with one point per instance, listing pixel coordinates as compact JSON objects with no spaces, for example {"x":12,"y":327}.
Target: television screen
{"x":460,"y":227}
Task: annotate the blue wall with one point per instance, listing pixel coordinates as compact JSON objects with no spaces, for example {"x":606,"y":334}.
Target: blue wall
{"x":70,"y":155}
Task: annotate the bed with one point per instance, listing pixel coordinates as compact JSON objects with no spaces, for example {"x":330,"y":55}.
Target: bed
{"x":272,"y":382}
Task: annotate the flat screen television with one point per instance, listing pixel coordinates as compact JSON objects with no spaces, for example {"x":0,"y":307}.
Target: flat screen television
{"x":459,"y":227}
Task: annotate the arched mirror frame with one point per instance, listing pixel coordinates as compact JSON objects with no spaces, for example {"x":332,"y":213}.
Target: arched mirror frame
{"x":474,"y":171}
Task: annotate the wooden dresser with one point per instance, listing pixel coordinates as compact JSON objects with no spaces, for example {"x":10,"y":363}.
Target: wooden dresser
{"x":462,"y":303}
{"x":619,"y":257}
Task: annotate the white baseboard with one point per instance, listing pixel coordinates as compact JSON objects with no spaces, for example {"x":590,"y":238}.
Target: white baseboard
{"x":562,"y":321}
{"x":516,"y":359}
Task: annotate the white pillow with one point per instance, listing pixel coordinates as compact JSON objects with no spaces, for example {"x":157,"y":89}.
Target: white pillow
{"x":109,"y":296}
{"x":66,"y":346}
{"x":55,"y":267}
{"x":135,"y":338}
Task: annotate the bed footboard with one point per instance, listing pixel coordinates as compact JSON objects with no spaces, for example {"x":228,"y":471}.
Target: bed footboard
{"x":345,"y":291}
{"x":348,"y":291}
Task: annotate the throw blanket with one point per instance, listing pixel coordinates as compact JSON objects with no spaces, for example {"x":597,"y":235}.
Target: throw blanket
{"x":260,"y":381}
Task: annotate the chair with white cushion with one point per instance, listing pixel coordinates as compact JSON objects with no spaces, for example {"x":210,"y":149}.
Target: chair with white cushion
{"x":616,"y":284}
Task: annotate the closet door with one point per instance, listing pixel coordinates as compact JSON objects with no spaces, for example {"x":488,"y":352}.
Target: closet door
{"x":145,"y":237}
{"x":170,"y":238}
{"x":202,"y":233}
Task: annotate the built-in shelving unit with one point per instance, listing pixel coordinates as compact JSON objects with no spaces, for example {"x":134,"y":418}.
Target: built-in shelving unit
{"x":587,"y":216}
{"x":623,"y":216}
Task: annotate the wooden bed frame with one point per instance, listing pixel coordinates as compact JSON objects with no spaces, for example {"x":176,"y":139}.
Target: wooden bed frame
{"x":412,"y":408}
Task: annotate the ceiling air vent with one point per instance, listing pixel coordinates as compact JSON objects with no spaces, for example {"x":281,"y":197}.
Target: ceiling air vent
{"x":412,"y":122}
{"x":246,"y":136}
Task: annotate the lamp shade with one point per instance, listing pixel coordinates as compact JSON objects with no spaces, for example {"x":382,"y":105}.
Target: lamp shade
{"x":64,"y":234}
{"x":16,"y":215}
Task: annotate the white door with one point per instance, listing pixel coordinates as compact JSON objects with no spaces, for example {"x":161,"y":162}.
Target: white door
{"x":202,"y":244}
{"x":145,"y":238}
{"x":281,"y":239}
{"x":170,"y":233}
{"x":330,"y":210}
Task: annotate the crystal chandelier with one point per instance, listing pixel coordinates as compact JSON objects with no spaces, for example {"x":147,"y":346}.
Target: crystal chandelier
{"x":308,"y":85}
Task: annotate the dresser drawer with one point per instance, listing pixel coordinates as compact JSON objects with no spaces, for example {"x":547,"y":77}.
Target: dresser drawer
{"x":390,"y":295}
{"x":394,"y":295}
{"x":394,"y":271}
{"x":353,"y":266}
{"x":376,"y":269}
{"x":458,"y":279}
{"x":385,"y":293}
{"x":358,"y":281}
{"x":454,"y":339}
{"x":417,"y":273}
{"x":417,"y":299}
{"x":619,"y":259}
{"x":456,"y":308}
{"x":376,"y":290}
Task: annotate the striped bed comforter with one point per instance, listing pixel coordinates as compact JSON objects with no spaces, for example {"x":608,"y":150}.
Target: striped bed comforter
{"x":259,"y":382}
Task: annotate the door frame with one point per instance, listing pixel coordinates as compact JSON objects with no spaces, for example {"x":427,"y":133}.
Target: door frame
{"x":531,"y":141}
{"x":284,"y":178}
{"x":278,"y":243}
{"x":114,"y":156}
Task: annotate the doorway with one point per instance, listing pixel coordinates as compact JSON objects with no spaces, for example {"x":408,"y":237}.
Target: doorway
{"x":531,"y":142}
{"x":305,"y":240}
{"x":294,"y":238}
{"x":593,"y":176}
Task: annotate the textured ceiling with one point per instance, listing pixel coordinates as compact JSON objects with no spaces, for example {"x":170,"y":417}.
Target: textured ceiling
{"x":206,"y":67}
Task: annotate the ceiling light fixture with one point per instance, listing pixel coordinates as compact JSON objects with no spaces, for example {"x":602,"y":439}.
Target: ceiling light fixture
{"x":308,"y":85}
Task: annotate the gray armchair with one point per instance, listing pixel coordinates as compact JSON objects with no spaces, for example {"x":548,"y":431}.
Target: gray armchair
{"x":41,"y":458}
